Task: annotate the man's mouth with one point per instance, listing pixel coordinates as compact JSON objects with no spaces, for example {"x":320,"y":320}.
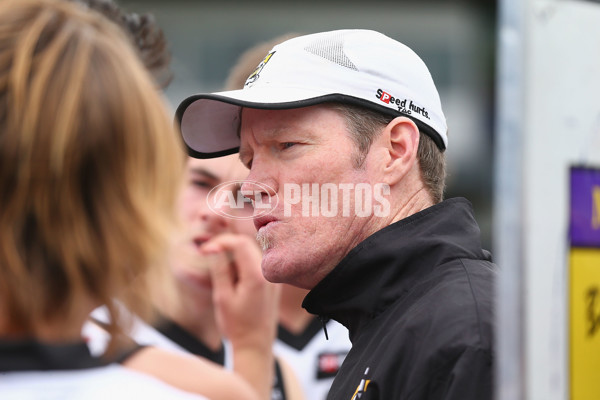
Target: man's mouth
{"x":263,"y":221}
{"x":200,"y":240}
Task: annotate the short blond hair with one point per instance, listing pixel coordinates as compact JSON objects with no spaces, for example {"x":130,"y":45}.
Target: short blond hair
{"x":90,"y":167}
{"x":364,"y":125}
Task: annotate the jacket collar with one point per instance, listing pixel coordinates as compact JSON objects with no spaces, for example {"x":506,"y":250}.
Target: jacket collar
{"x":387,"y":264}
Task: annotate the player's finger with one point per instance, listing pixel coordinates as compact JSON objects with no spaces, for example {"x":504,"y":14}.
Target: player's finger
{"x":222,"y":276}
{"x":245,"y":253}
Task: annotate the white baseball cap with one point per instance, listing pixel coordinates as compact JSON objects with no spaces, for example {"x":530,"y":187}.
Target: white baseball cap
{"x":360,"y":67}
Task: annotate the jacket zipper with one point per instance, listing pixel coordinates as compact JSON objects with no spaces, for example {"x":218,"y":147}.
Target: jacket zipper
{"x":324,"y":321}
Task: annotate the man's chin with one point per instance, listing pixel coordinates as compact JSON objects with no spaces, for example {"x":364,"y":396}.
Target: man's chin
{"x":195,"y":279}
{"x":273,"y":267}
{"x":277,"y":269}
{"x":269,"y":272}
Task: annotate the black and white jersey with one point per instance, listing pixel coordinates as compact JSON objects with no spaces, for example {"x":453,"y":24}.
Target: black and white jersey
{"x":314,"y":359}
{"x":30,"y":370}
{"x":170,"y":336}
{"x":166,"y":335}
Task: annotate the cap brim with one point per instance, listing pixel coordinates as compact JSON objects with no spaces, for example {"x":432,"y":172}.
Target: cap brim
{"x":210,"y":123}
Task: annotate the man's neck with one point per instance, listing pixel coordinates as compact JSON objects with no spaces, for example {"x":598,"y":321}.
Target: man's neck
{"x":292,"y":316}
{"x":194,"y":312}
{"x":420,"y":200}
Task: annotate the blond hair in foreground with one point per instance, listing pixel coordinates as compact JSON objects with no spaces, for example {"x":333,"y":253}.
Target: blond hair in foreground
{"x":89,"y":168}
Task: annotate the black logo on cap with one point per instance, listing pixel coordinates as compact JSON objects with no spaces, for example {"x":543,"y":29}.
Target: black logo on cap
{"x":404,"y":106}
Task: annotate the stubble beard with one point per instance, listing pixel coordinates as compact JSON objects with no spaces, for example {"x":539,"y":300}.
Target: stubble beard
{"x":264,"y":241}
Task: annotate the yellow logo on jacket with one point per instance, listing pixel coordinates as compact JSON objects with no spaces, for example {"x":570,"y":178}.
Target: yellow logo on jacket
{"x":362,"y":387}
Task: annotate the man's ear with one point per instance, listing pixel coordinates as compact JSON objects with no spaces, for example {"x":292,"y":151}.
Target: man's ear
{"x":402,"y":136}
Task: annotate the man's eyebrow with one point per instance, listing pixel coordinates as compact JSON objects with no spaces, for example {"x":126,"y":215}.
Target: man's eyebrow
{"x":205,"y":172}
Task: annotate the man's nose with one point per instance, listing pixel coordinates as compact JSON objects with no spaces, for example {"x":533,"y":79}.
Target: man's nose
{"x":258,"y":193}
{"x":260,"y":186}
{"x":212,"y":217}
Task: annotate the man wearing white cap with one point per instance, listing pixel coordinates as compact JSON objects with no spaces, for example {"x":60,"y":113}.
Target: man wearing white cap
{"x":344,"y":136}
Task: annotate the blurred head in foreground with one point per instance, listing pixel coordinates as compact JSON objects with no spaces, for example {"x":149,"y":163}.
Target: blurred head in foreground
{"x":89,"y":169}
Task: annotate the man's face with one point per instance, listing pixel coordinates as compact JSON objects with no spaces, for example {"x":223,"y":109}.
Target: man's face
{"x":202,"y":222}
{"x":285,"y":149}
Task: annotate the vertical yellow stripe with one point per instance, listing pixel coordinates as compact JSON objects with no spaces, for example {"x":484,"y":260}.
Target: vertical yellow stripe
{"x":596,"y":207}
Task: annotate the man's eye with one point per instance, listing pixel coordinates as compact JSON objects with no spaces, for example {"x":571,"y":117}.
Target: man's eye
{"x":287,"y":145}
{"x":202,"y":184}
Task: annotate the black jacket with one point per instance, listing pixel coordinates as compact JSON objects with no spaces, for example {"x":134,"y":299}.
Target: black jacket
{"x":417,"y":298}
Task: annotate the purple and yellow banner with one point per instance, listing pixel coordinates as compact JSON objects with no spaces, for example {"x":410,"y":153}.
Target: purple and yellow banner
{"x":584,"y":285}
{"x":585,"y":207}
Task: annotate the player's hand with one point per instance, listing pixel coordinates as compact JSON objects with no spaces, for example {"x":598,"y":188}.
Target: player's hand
{"x":245,"y":302}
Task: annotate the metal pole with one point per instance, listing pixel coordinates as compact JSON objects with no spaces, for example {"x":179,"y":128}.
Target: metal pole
{"x":508,"y":202}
